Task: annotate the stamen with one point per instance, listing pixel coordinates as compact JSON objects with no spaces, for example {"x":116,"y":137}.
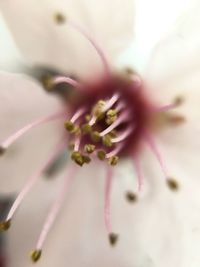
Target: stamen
{"x":93,"y":43}
{"x":111,"y":102}
{"x":150,"y":141}
{"x":176,"y":103}
{"x":139,"y":172}
{"x":11,"y":139}
{"x":122,"y":118}
{"x":123,"y":135}
{"x":33,"y":179}
{"x":55,"y":209}
{"x":78,"y":114}
{"x":115,"y":151}
{"x":107,"y":212}
{"x":68,"y":80}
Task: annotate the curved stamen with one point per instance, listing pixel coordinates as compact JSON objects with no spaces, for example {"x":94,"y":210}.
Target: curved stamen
{"x":122,"y":118}
{"x":123,"y":135}
{"x":11,"y":139}
{"x":68,"y":80}
{"x":139,"y":172}
{"x":111,"y":102}
{"x":78,"y":114}
{"x":121,"y":105}
{"x":33,"y":179}
{"x":115,"y":151}
{"x":93,"y":43}
{"x":55,"y":208}
{"x":150,"y":141}
{"x":77,"y":143}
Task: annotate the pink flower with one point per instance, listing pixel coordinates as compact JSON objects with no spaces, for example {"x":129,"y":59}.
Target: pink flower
{"x":128,"y":113}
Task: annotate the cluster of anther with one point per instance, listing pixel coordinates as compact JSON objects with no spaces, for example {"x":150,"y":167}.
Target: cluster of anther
{"x":95,"y":132}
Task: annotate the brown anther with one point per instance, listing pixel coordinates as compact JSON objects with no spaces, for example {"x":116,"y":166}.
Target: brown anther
{"x":113,"y":134}
{"x":107,"y":140}
{"x":71,"y":146}
{"x":178,"y":100}
{"x":86,"y":159}
{"x":113,"y":238}
{"x":47,"y":82}
{"x":89,"y":148}
{"x":175,"y":119}
{"x":172,"y":184}
{"x":88,"y":117}
{"x":131,"y":197}
{"x":36,"y":255}
{"x":78,"y":158}
{"x":2,"y":150}
{"x":59,"y":18}
{"x":101,"y":154}
{"x":129,"y":71}
{"x":113,"y":160}
{"x":95,"y":136}
{"x":98,"y":108}
{"x":86,"y":128}
{"x":4,"y":226}
{"x":70,"y":126}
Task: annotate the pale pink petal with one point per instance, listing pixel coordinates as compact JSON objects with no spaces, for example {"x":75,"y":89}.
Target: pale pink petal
{"x":44,"y":42}
{"x":22,"y":101}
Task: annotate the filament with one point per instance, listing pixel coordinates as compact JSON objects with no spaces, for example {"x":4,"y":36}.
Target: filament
{"x":55,"y":209}
{"x":11,"y":139}
{"x":68,"y":80}
{"x":123,"y":135}
{"x":139,"y":172}
{"x":78,"y":114}
{"x":107,"y":210}
{"x":115,"y":151}
{"x":33,"y":179}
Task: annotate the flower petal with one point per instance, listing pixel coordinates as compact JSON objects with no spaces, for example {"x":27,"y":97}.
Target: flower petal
{"x":46,"y":43}
{"x":23,"y":101}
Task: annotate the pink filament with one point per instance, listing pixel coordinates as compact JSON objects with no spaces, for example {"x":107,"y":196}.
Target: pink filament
{"x":68,"y":80}
{"x":111,"y":102}
{"x":108,"y":188}
{"x":33,"y":179}
{"x":123,"y":117}
{"x":166,"y":108}
{"x":138,"y":172}
{"x":55,"y":208}
{"x":149,"y":139}
{"x":123,"y":135}
{"x":115,"y":151}
{"x":94,"y":44}
{"x":11,"y":139}
{"x":78,"y":114}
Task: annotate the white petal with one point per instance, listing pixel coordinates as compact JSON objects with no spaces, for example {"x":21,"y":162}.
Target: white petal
{"x":23,"y":101}
{"x":44,"y":42}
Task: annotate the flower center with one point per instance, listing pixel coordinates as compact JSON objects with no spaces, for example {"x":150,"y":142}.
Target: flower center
{"x":108,"y":120}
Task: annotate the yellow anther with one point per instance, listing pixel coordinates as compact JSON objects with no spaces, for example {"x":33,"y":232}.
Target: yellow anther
{"x":113,"y":134}
{"x":107,"y":140}
{"x":47,"y":82}
{"x":59,"y":18}
{"x":36,"y":255}
{"x":98,"y":108}
{"x":88,"y":117}
{"x":95,"y":136}
{"x":4,"y":226}
{"x":77,"y":157}
{"x":71,"y":146}
{"x":111,"y":113}
{"x":86,"y":128}
{"x":110,"y":120}
{"x":172,"y":184}
{"x":101,"y":154}
{"x":89,"y":148}
{"x":178,"y":100}
{"x":86,"y":159}
{"x":113,"y":160}
{"x":70,"y":126}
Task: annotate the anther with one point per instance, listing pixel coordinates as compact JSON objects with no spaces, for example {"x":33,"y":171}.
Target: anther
{"x":48,"y":83}
{"x":36,"y":255}
{"x":78,"y":158}
{"x":88,"y":117}
{"x":113,"y":238}
{"x":172,"y":184}
{"x":175,"y":119}
{"x":89,"y":148}
{"x":111,"y":116}
{"x":98,"y":108}
{"x":70,"y":126}
{"x":59,"y":18}
{"x":4,"y":226}
{"x":131,"y":197}
{"x":107,"y":140}
{"x":101,"y":154}
{"x":178,"y":100}
{"x":95,"y":136}
{"x":113,"y":160}
{"x":86,"y":128}
{"x":2,"y":150}
{"x":86,"y":159}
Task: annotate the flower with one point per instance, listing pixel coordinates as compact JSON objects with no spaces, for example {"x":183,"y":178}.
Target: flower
{"x":179,"y":126}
